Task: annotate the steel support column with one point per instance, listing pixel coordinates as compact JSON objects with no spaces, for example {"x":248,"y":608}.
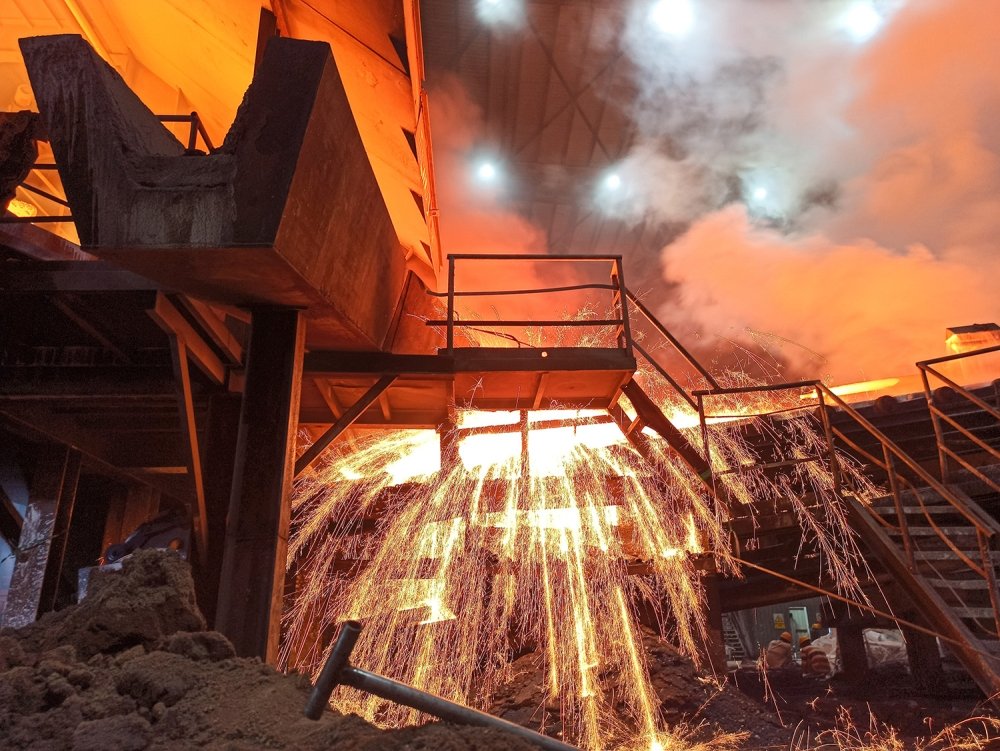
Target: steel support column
{"x":34,"y":583}
{"x":252,"y":578}
{"x":221,"y":431}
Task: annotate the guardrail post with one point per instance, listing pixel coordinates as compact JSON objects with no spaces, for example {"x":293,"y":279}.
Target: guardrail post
{"x":936,"y":422}
{"x":897,"y":499}
{"x":618,"y":275}
{"x":193,"y":132}
{"x":704,"y":437}
{"x":828,"y":431}
{"x":451,"y":305}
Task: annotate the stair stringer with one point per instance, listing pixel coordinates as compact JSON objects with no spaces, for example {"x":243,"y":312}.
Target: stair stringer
{"x":971,"y":652}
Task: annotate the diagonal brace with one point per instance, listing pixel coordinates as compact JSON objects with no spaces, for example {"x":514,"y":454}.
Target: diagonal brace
{"x":343,"y":423}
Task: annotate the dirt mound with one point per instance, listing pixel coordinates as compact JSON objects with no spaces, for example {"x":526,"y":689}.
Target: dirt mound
{"x":131,"y":668}
{"x":684,"y":696}
{"x":151,"y":598}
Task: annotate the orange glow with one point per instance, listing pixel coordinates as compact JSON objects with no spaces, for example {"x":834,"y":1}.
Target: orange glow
{"x":861,"y":387}
{"x":474,"y":553}
{"x":17,"y":207}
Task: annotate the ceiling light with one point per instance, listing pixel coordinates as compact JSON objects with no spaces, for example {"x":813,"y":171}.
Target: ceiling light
{"x":612,"y":181}
{"x":486,"y":172}
{"x":500,"y":12}
{"x":673,"y":17}
{"x":861,"y":20}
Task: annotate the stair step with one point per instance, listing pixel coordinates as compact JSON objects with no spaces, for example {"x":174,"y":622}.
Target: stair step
{"x":948,"y":555}
{"x":930,"y":531}
{"x":980,"y":584}
{"x":973,"y":612}
{"x":936,"y":509}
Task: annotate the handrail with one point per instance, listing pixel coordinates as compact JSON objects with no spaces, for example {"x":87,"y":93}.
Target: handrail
{"x":938,"y":415}
{"x":981,"y":522}
{"x":617,"y":286}
{"x":197,"y":129}
{"x":986,"y":529}
{"x":958,"y":356}
{"x":662,"y":330}
{"x":718,"y":391}
{"x":663,"y":372}
{"x":703,"y":418}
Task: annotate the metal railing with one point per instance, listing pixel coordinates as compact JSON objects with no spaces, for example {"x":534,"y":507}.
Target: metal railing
{"x":675,"y":344}
{"x":943,"y":421}
{"x":704,"y":417}
{"x":620,"y":323}
{"x":892,"y":462}
{"x":905,"y":477}
{"x":196,"y":130}
{"x":987,"y":530}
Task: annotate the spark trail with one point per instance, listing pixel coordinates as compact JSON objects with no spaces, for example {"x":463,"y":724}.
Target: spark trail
{"x":455,"y":568}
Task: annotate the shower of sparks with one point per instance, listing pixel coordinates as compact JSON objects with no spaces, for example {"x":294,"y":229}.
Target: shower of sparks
{"x":456,"y":569}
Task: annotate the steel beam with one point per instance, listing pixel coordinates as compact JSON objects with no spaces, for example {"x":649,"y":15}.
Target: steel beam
{"x":253,"y":565}
{"x":343,"y":423}
{"x":42,"y":546}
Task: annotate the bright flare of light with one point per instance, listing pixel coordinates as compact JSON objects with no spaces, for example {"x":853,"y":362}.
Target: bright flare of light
{"x":861,"y":387}
{"x":17,"y":207}
{"x":612,"y":181}
{"x":500,"y":12}
{"x":486,"y":172}
{"x":673,"y":17}
{"x":759,"y":194}
{"x":861,"y":20}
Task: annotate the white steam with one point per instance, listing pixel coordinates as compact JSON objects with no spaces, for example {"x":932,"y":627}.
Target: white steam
{"x":860,"y":144}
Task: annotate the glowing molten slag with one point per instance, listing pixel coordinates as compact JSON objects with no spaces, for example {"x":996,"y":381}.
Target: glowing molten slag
{"x":544,"y":539}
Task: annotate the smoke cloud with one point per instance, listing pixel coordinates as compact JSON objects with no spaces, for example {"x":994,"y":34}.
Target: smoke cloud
{"x":843,"y":194}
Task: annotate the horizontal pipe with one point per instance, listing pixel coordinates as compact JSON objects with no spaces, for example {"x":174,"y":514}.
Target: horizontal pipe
{"x":748,"y":389}
{"x":536,"y":291}
{"x":34,"y":219}
{"x":958,"y":356}
{"x":527,"y":257}
{"x":514,"y":427}
{"x":511,"y":324}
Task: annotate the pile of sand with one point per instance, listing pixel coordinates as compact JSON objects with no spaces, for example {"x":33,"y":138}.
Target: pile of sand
{"x":132,"y":668}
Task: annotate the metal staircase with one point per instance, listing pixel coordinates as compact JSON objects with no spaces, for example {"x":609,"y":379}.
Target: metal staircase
{"x":939,"y":545}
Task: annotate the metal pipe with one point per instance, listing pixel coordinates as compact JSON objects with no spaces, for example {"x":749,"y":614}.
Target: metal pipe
{"x":332,"y":671}
{"x":595,"y":322}
{"x":442,"y":708}
{"x":338,"y":670}
{"x":451,"y":305}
